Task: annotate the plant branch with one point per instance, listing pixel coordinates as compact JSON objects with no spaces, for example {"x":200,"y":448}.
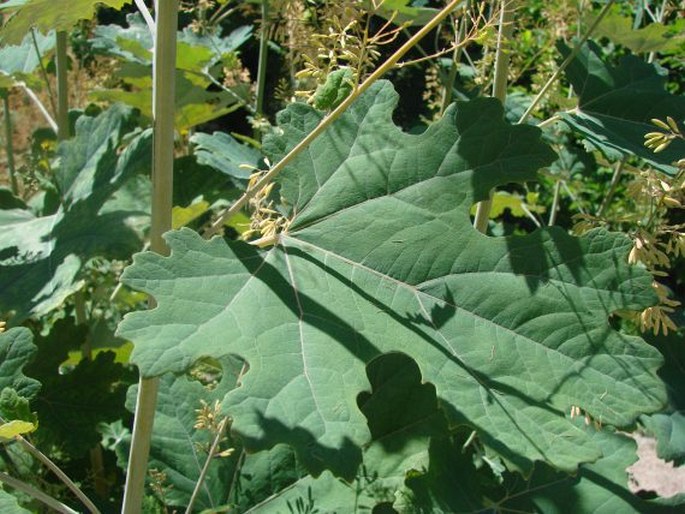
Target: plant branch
{"x":145,"y":12}
{"x":54,"y":468}
{"x":205,"y":469}
{"x":499,"y":91}
{"x":163,"y":103}
{"x":41,"y":107}
{"x":61,"y":67}
{"x":555,"y":203}
{"x":328,"y":120}
{"x":454,"y":68}
{"x":44,"y":72}
{"x":576,"y":50}
{"x":36,"y":494}
{"x":9,"y":144}
{"x":612,"y":187}
{"x":263,"y":54}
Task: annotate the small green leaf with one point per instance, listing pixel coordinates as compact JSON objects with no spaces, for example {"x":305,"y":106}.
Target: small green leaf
{"x":338,"y":86}
{"x":16,"y":351}
{"x":226,"y":155}
{"x":12,"y":429}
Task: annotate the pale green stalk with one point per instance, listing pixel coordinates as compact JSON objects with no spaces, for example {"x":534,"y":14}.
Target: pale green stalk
{"x":145,"y":13}
{"x":612,"y":187}
{"x":51,"y":502}
{"x":261,"y":67}
{"x":555,"y":203}
{"x":9,"y":144}
{"x":45,"y":460}
{"x":163,"y":103}
{"x":61,"y":66}
{"x":499,"y":91}
{"x":576,"y":50}
{"x":328,"y":120}
{"x":43,"y":110}
{"x":205,"y":469}
{"x":449,"y":85}
{"x":44,"y":72}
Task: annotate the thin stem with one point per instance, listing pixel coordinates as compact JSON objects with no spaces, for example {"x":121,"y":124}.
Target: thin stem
{"x":55,"y":469}
{"x":449,"y":84}
{"x":205,"y":467}
{"x":612,"y":187}
{"x":326,"y":122}
{"x":499,"y":91}
{"x":41,"y":107}
{"x":576,"y":50}
{"x":163,"y":103}
{"x":263,"y":55}
{"x":36,"y":494}
{"x":549,"y":121}
{"x":44,"y":72}
{"x":145,"y":12}
{"x":9,"y":143}
{"x":555,"y":203}
{"x":61,"y":66}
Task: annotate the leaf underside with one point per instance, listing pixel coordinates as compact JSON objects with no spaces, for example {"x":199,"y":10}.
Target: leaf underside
{"x":381,"y":257}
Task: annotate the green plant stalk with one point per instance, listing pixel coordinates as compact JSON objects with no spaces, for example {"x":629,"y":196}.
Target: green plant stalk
{"x":499,"y":91}
{"x":163,"y":111}
{"x":555,"y":203}
{"x":45,"y":460}
{"x":43,"y":110}
{"x":205,"y":467}
{"x":612,"y":187}
{"x":51,"y":502}
{"x":449,"y":85}
{"x":62,"y":67}
{"x":44,"y":72}
{"x":328,"y":120}
{"x":9,"y":145}
{"x":576,"y":49}
{"x":261,"y":67}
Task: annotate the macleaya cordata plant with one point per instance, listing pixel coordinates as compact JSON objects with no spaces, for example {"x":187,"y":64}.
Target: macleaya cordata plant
{"x":362,"y":346}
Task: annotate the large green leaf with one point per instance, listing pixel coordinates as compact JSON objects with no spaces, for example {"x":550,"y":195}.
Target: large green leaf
{"x":668,"y":427}
{"x":19,"y":61}
{"x":10,"y":505}
{"x":40,"y":257}
{"x":381,"y":256}
{"x":16,"y":350}
{"x":617,"y":103}
{"x":600,"y":487}
{"x":655,"y":37}
{"x":47,"y":15}
{"x":223,"y":153}
{"x":179,"y":449}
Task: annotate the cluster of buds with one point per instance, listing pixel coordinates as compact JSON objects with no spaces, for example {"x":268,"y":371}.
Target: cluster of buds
{"x":659,"y":141}
{"x":266,"y":221}
{"x":3,"y":325}
{"x":657,"y":317}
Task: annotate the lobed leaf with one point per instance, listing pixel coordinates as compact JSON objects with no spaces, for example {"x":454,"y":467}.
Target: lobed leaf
{"x":381,"y":257}
{"x":617,"y":103}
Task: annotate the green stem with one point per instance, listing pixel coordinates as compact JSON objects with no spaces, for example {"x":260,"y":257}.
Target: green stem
{"x":62,"y":67}
{"x":328,"y":120}
{"x":46,"y":114}
{"x":499,"y":91}
{"x":261,"y":68}
{"x":205,"y":467}
{"x":44,"y":72}
{"x":612,"y":187}
{"x":576,"y":50}
{"x":555,"y":203}
{"x":454,"y":68}
{"x":51,"y":502}
{"x":9,"y":142}
{"x":163,"y":106}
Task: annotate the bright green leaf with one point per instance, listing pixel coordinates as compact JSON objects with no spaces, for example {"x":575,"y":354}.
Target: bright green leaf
{"x":223,"y":153}
{"x":16,"y":427}
{"x":617,"y":104}
{"x":381,"y":256}
{"x":655,"y":37}
{"x":21,"y":60}
{"x":42,"y":256}
{"x":47,"y":15}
